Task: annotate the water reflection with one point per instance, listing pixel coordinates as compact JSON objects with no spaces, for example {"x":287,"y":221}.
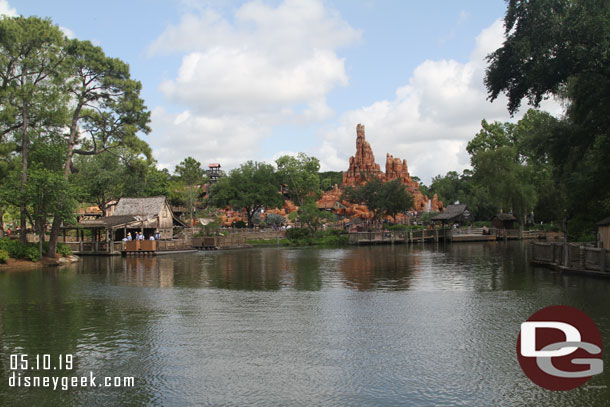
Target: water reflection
{"x":403,"y":325}
{"x":385,"y":267}
{"x":47,"y":312}
{"x":140,"y":271}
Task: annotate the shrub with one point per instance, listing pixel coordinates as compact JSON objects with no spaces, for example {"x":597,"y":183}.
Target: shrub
{"x":63,"y":249}
{"x":31,"y":253}
{"x":14,"y":248}
{"x":3,"y":256}
{"x":298,"y":233}
{"x":240,"y":224}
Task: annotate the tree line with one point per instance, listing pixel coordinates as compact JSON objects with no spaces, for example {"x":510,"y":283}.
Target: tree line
{"x":70,"y":117}
{"x":557,"y":168}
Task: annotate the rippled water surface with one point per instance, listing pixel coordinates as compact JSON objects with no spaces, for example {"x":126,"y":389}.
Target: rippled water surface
{"x":404,"y":325}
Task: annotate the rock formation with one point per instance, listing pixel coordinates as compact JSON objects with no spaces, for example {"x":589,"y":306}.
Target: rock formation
{"x":362,"y":166}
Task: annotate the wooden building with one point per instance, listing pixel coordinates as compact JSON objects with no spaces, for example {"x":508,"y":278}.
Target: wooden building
{"x":504,"y":221}
{"x":213,"y":172}
{"x":453,"y":213}
{"x":132,"y":215}
{"x":603,"y":233}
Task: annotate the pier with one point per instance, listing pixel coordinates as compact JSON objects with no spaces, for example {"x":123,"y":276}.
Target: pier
{"x":572,"y":258}
{"x":447,"y":235}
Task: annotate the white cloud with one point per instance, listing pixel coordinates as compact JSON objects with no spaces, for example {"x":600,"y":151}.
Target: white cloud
{"x":240,"y":76}
{"x":244,"y":81}
{"x":6,"y":9}
{"x":430,"y":120}
{"x":228,"y":139}
{"x":67,"y":32}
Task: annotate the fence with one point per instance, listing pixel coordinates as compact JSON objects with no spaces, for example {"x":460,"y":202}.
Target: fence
{"x":572,"y":256}
{"x":132,"y":246}
{"x":379,"y":237}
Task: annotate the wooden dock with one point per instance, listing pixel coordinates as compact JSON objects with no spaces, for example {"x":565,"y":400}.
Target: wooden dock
{"x":572,"y":258}
{"x":394,"y":237}
{"x":436,"y":235}
{"x":132,"y":247}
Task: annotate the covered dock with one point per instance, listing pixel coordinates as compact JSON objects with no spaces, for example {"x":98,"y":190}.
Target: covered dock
{"x":110,"y":235}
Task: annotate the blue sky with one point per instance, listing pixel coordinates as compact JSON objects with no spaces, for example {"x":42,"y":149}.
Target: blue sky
{"x":229,"y":81}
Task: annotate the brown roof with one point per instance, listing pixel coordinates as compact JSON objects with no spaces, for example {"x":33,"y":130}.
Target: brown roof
{"x":505,"y":217}
{"x":452,"y":212}
{"x":112,"y":221}
{"x":139,"y":206}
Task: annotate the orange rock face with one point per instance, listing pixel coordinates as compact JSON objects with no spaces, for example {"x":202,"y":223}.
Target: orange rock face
{"x":363,"y":166}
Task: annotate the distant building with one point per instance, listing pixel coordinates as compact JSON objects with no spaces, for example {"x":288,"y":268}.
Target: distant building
{"x":504,"y":221}
{"x":214,"y":172}
{"x":603,"y":231}
{"x":453,"y":213}
{"x":145,"y":215}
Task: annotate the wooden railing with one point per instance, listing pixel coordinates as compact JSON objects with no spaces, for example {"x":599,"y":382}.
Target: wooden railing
{"x":578,"y":257}
{"x":88,"y":247}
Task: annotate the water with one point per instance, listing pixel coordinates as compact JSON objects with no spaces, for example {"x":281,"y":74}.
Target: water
{"x":404,"y":325}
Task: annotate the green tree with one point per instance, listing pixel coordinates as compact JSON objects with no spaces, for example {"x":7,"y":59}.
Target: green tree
{"x":100,"y":178}
{"x":396,"y":198}
{"x":453,"y":187}
{"x":30,"y":70}
{"x":499,"y":166}
{"x":328,"y":179}
{"x":192,"y":177}
{"x":390,"y":198}
{"x":560,"y":48}
{"x":273,"y":219}
{"x":106,"y":109}
{"x":300,"y":174}
{"x":312,"y":217}
{"x":251,"y":187}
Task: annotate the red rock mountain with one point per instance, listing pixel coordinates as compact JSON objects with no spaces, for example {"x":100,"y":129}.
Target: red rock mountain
{"x":363,"y":165}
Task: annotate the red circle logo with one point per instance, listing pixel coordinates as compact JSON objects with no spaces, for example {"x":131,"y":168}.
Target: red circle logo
{"x":560,"y":348}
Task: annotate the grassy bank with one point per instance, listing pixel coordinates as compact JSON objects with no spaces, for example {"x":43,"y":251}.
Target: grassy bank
{"x":305,"y":237}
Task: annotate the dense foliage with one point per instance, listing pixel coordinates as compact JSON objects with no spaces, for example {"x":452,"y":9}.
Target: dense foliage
{"x":560,"y":48}
{"x":389,"y":198}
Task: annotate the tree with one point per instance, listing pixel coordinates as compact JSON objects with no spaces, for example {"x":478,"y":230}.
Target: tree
{"x":273,"y":219}
{"x":454,"y":187}
{"x":30,"y":72}
{"x":396,"y":199}
{"x":100,"y":177}
{"x":329,"y":179}
{"x":560,"y":48}
{"x":251,"y":187}
{"x":107,"y":111}
{"x":388,"y":198}
{"x":312,"y":217}
{"x":192,"y":176}
{"x":421,"y":186}
{"x":300,"y":174}
{"x":501,"y":167}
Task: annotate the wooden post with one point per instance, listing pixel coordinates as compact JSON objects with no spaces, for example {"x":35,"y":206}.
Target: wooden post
{"x":581,"y":257}
{"x":602,"y":260}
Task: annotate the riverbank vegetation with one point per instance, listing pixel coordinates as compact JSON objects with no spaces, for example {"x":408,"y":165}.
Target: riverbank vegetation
{"x":71,"y":122}
{"x":558,"y":168}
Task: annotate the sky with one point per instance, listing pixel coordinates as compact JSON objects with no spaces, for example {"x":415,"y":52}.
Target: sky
{"x":230,"y":81}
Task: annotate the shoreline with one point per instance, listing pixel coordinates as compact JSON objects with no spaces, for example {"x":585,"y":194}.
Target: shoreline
{"x":26,"y":265}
